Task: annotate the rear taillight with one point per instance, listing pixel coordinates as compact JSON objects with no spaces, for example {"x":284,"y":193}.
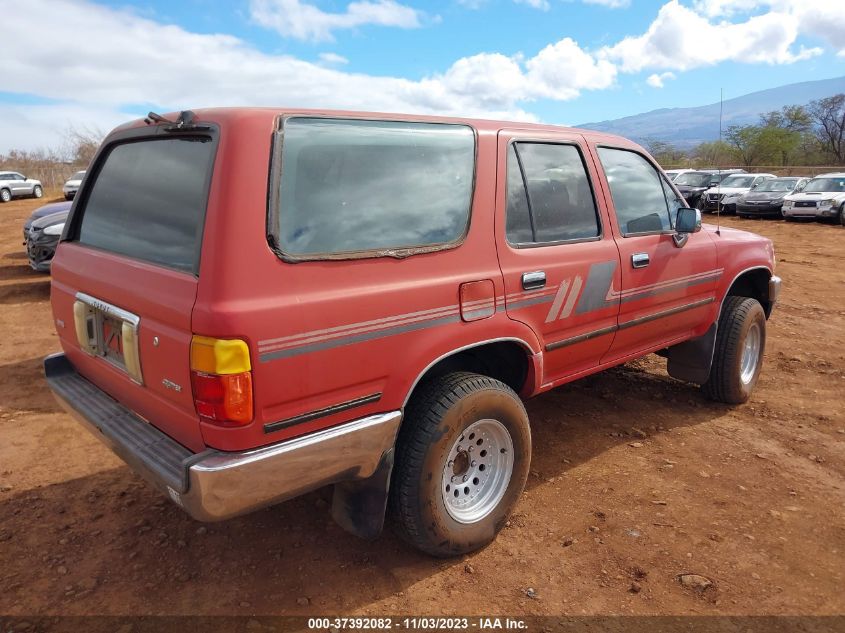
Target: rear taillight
{"x":221,"y":378}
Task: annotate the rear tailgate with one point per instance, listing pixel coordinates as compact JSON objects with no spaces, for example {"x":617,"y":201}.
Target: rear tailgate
{"x":125,"y":274}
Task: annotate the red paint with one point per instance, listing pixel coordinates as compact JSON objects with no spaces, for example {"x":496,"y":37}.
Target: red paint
{"x":245,"y":291}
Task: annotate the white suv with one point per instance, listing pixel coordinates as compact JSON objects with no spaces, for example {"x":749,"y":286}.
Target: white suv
{"x":823,"y":197}
{"x":15,"y":185}
{"x":727,"y":192}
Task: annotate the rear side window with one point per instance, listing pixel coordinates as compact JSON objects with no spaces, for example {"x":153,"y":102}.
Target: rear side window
{"x":637,"y":192}
{"x":364,"y":187}
{"x":549,"y":195}
{"x":148,"y":201}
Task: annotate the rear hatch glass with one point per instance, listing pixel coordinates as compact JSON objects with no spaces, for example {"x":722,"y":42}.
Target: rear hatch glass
{"x":148,"y":201}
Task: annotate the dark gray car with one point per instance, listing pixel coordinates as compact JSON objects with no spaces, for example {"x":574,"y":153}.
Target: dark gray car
{"x":43,"y":238}
{"x":767,"y":198}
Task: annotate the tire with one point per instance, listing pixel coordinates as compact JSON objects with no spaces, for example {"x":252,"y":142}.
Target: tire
{"x":68,"y":197}
{"x":428,"y":464}
{"x":842,"y":215}
{"x":738,"y":353}
{"x":37,"y":191}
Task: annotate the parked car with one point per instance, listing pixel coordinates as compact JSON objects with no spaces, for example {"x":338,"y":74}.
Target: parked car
{"x":724,"y":196}
{"x":766,"y":199}
{"x":694,"y":183}
{"x":44,"y":234}
{"x":72,"y":185}
{"x":822,"y":197}
{"x":365,"y":300}
{"x":40,"y":212}
{"x":674,"y":173}
{"x":16,"y":185}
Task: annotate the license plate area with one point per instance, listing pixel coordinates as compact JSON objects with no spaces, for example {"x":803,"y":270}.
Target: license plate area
{"x":108,"y":332}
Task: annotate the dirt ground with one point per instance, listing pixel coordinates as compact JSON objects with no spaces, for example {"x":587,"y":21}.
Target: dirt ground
{"x":636,"y":479}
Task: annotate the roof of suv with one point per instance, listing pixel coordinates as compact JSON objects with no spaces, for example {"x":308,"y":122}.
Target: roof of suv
{"x":233,"y":114}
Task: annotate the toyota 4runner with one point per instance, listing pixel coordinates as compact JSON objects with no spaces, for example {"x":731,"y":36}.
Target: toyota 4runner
{"x":255,"y":303}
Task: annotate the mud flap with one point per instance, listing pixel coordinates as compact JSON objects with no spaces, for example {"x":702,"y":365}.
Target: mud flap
{"x":690,"y":361}
{"x":359,"y":506}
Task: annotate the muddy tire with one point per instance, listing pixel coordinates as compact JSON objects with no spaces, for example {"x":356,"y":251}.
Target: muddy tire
{"x":738,"y":354}
{"x":462,"y":459}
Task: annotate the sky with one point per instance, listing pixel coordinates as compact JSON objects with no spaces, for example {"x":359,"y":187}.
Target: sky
{"x":89,"y":66}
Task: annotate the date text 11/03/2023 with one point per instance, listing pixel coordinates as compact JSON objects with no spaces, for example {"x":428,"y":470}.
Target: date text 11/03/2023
{"x":420,"y":623}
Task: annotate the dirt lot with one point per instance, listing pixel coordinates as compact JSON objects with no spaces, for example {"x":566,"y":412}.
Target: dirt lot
{"x":636,"y":479}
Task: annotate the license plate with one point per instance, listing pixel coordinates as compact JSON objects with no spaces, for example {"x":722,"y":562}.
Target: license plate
{"x":108,"y":332}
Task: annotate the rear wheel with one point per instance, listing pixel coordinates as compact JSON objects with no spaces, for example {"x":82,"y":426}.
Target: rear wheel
{"x":5,"y":195}
{"x":738,"y":354}
{"x":461,"y":464}
{"x":37,"y":191}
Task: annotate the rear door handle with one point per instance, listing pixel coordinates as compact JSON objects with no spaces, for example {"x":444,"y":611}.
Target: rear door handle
{"x":534,"y":280}
{"x":640,"y":260}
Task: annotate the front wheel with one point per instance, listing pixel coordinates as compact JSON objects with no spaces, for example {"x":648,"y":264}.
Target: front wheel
{"x":842,"y":215}
{"x":738,"y":354}
{"x":37,"y":191}
{"x":462,"y":460}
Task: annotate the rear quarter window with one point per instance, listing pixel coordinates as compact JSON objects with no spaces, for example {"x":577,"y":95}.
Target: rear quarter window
{"x":366,"y":188}
{"x":148,"y":201}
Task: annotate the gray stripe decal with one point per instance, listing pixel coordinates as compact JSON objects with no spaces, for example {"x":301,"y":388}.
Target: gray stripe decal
{"x":626,"y":324}
{"x":358,"y":338}
{"x":515,"y":305}
{"x":594,"y":295}
{"x":671,"y":287}
{"x":321,"y":413}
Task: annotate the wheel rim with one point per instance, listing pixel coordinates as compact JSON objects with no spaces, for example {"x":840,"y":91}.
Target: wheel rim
{"x":750,"y":354}
{"x":5,"y":196}
{"x":38,"y":192}
{"x":477,"y":471}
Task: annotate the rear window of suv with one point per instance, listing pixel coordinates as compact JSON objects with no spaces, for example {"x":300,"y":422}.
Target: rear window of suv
{"x":365,"y":188}
{"x":148,"y":201}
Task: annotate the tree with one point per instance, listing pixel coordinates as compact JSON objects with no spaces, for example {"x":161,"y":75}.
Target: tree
{"x":829,"y":117}
{"x":748,"y":142}
{"x":714,"y":154}
{"x":663,"y":152}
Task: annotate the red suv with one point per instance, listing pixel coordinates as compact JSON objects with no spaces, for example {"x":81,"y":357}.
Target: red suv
{"x":254,"y":303}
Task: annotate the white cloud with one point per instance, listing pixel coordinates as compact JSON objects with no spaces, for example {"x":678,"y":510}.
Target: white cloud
{"x":657,"y":80}
{"x":333,"y":58}
{"x":304,"y":21}
{"x":681,"y":39}
{"x":169,"y":68}
{"x":543,"y":5}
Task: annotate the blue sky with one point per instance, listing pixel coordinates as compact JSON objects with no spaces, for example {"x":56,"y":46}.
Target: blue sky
{"x":94,"y":64}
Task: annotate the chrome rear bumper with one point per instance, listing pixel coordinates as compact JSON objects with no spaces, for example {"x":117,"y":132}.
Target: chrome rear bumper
{"x":216,"y":485}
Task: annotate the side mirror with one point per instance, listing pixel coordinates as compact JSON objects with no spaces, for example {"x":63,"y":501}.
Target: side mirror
{"x":688,"y":221}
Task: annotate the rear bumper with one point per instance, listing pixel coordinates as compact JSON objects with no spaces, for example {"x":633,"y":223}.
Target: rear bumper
{"x":216,"y":485}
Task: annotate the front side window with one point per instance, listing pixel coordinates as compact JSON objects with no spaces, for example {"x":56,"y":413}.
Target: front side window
{"x":549,"y":195}
{"x":365,"y":187}
{"x":637,"y":192}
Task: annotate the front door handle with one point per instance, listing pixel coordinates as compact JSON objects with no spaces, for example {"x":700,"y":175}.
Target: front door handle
{"x":640,"y":260}
{"x":534,"y":280}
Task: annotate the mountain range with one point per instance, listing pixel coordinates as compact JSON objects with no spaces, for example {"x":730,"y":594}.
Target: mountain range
{"x":686,"y":127}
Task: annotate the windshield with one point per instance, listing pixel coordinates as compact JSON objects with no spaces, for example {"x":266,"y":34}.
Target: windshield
{"x":820,"y":185}
{"x":739,"y":182}
{"x":693,"y":179}
{"x":77,"y":176}
{"x":778,"y":184}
